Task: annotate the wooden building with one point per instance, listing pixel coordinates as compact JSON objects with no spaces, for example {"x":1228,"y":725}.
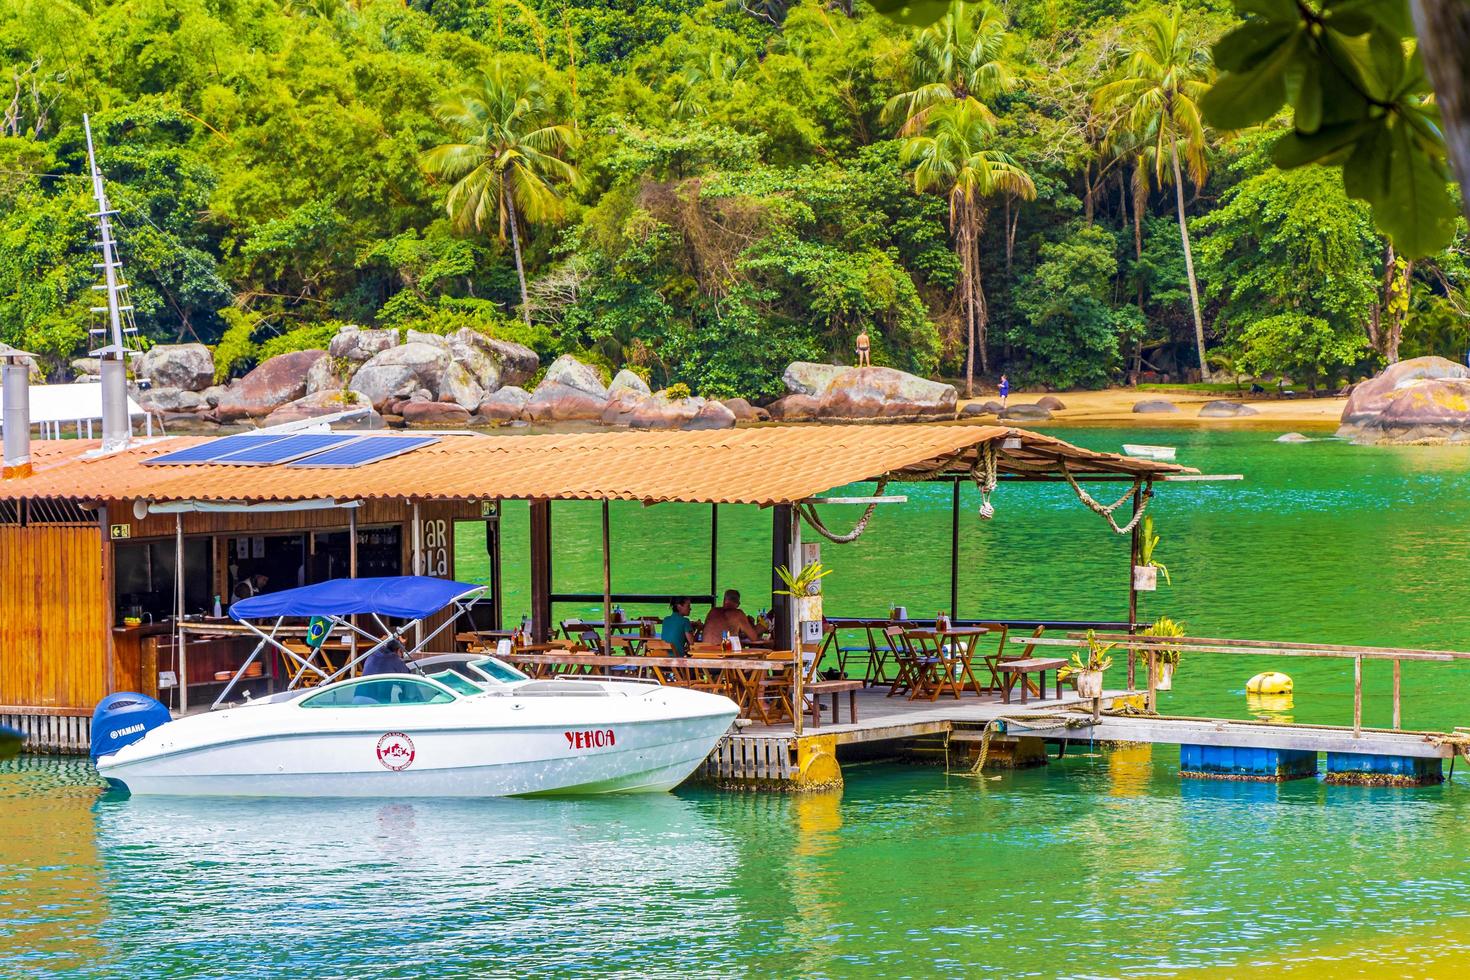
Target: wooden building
{"x":90,"y":542}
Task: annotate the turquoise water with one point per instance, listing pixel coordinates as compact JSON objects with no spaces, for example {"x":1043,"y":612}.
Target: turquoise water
{"x":1101,"y":864}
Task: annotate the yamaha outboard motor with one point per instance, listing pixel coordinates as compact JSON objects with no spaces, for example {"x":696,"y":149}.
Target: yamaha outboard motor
{"x":123,"y":718}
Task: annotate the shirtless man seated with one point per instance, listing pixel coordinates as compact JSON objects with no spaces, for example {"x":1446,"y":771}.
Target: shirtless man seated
{"x":729,"y":618}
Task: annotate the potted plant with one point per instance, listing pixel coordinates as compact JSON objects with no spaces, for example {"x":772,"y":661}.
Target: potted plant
{"x":806,"y":588}
{"x":1146,"y":572}
{"x":1087,"y":672}
{"x":1166,"y":658}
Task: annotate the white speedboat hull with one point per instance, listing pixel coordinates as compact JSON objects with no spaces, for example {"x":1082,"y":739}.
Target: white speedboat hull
{"x":633,"y":738}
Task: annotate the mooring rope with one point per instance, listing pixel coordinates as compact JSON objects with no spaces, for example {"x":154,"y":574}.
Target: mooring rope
{"x":1030,"y":725}
{"x":809,"y":512}
{"x":985,"y":473}
{"x":1107,"y":512}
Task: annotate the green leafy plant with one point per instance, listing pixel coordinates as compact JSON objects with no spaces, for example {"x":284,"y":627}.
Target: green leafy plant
{"x":805,"y":582}
{"x":1097,"y":656}
{"x":678,"y":391}
{"x":1164,"y":626}
{"x":1147,"y":542}
{"x":1360,"y":99}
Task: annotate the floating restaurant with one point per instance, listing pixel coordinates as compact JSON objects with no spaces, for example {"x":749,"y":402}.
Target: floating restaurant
{"x":116,"y":565}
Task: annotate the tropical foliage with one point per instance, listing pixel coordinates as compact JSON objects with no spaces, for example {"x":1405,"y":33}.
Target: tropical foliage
{"x":705,"y":191}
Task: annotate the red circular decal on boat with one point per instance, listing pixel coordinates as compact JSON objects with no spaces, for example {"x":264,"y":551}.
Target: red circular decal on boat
{"x":395,"y":751}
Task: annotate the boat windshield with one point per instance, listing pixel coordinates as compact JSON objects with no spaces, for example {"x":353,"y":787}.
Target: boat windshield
{"x":378,"y":692}
{"x":457,"y":682}
{"x":497,"y":670}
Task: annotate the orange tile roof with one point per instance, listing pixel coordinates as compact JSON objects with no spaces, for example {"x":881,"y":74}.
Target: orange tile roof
{"x":759,"y":465}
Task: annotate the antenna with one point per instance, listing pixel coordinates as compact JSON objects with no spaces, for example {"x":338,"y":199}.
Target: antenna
{"x":117,"y":425}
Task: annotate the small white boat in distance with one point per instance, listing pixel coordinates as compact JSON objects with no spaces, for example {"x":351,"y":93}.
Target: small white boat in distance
{"x":463,"y":725}
{"x":1148,"y":452}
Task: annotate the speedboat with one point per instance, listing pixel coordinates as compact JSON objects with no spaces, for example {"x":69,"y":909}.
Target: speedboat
{"x":462,"y":725}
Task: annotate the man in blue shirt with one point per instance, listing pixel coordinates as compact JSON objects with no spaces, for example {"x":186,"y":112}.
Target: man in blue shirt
{"x":676,"y":629}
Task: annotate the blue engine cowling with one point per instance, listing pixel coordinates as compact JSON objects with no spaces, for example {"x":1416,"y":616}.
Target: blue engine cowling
{"x":123,"y":718}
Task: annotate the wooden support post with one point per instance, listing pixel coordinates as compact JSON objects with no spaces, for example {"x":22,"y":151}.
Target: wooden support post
{"x":1133,"y":553}
{"x":606,"y":581}
{"x":798,"y":706}
{"x":183,"y":679}
{"x":1397,"y":671}
{"x":783,"y":608}
{"x":714,"y":549}
{"x":954,"y":552}
{"x":1357,"y":696}
{"x":540,"y":570}
{"x":418,"y":565}
{"x":351,"y":573}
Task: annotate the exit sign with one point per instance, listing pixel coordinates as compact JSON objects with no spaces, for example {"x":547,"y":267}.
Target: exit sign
{"x":122,"y":531}
{"x":489,"y":508}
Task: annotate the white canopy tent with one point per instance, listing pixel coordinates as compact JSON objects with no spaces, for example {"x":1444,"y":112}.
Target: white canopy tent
{"x":79,"y":404}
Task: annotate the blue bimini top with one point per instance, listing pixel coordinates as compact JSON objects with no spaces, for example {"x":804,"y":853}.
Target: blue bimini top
{"x":402,"y":596}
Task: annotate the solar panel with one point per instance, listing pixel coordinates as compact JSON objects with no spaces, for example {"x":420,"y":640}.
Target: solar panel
{"x":206,"y":451}
{"x":370,"y":449}
{"x":283,"y":450}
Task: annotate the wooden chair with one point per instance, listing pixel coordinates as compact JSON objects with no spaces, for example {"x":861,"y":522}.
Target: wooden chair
{"x":913,"y":676}
{"x":990,"y":660}
{"x":941,"y":668}
{"x":773,"y":692}
{"x":571,"y":628}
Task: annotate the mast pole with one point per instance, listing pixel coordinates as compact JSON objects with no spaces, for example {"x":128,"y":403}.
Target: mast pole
{"x":117,"y":426}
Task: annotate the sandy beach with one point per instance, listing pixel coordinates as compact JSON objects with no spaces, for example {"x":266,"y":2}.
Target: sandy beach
{"x":1114,"y":406}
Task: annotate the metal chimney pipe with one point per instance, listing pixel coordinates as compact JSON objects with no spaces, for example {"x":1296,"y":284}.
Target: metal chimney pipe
{"x":117,"y":425}
{"x":16,"y":380}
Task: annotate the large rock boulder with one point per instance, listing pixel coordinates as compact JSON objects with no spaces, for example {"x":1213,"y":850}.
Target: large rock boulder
{"x":626,"y":380}
{"x":712,"y":415}
{"x":321,"y":403}
{"x":1156,"y":406}
{"x":654,"y":411}
{"x":473,"y":352}
{"x":806,"y":378}
{"x":1051,"y":403}
{"x":518,"y":363}
{"x":279,"y":380}
{"x":434,"y":414}
{"x":327,"y":374}
{"x":160,"y":400}
{"x":186,"y":366}
{"x":1225,"y":410}
{"x":794,"y":408}
{"x":1022,"y":412}
{"x":86,"y":367}
{"x":1369,"y":398}
{"x":457,"y":385}
{"x":506,"y":405}
{"x":744,"y":411}
{"x":1425,"y":399}
{"x":569,"y":372}
{"x":424,"y":337}
{"x":213,"y":394}
{"x":401,"y":371}
{"x":1292,"y":437}
{"x":883,"y":393}
{"x":556,"y":402}
{"x":355,"y":344}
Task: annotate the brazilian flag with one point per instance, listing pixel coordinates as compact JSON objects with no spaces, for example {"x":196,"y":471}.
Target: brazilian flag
{"x":317,"y":630}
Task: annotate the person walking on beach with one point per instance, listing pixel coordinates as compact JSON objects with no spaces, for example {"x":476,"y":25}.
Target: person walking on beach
{"x":1005,"y":390}
{"x":863,"y":346}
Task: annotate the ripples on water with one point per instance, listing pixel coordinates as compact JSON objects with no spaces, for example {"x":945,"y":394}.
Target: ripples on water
{"x":1104,"y":864}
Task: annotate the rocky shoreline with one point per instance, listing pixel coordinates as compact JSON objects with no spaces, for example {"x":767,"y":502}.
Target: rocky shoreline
{"x":1421,"y":401}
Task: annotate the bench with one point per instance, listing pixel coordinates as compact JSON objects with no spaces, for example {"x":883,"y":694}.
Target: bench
{"x":818,"y":688}
{"x":1013,"y":670}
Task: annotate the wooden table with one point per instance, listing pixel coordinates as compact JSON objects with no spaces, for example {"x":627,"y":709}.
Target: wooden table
{"x":742,"y":674}
{"x":952,"y":669}
{"x":1013,"y":669}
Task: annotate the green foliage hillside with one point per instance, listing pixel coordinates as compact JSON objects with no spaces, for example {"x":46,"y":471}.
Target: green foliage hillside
{"x":705,"y":191}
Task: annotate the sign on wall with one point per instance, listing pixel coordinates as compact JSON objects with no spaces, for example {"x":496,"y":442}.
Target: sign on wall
{"x":434,"y":538}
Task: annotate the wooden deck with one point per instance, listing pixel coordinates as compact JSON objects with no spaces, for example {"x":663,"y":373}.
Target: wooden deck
{"x":882,"y":718}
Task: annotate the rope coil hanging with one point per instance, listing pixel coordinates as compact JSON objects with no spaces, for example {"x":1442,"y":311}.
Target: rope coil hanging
{"x":809,"y":513}
{"x":1106,"y":512}
{"x":985,"y":473}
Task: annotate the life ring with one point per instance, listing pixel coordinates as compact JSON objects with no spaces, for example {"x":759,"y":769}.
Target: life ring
{"x":1270,"y":682}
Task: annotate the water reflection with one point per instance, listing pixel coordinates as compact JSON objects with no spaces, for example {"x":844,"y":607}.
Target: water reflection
{"x":1270,"y":707}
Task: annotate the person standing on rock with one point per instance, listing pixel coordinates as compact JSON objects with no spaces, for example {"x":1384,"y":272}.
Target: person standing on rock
{"x":863,"y":347}
{"x":1005,"y":390}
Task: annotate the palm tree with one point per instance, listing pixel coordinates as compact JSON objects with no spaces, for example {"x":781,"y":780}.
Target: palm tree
{"x":958,"y":58}
{"x":954,"y":156}
{"x":508,"y":163}
{"x":1156,"y":96}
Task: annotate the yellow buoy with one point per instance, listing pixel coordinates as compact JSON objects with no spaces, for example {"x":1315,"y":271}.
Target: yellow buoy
{"x":1271,"y":682}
